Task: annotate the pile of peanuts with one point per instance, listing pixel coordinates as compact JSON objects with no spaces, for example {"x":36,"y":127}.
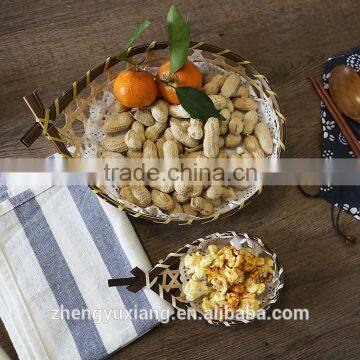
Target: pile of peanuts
{"x":165,"y":131}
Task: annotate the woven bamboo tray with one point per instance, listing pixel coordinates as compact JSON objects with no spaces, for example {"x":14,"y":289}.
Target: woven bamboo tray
{"x":166,"y":281}
{"x":57,"y":121}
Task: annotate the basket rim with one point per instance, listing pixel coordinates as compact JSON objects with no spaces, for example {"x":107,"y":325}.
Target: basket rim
{"x":60,"y":104}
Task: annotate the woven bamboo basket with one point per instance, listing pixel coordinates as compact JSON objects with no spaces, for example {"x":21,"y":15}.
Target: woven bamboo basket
{"x":166,"y":280}
{"x":58,"y":121}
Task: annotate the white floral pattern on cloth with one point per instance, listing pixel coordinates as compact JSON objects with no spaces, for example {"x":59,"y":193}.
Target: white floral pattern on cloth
{"x":354,"y":61}
{"x":334,"y":143}
{"x":352,"y":210}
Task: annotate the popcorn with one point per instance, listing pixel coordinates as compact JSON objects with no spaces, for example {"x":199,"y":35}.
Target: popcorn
{"x":206,"y":260}
{"x":261,"y":288}
{"x":229,"y":256}
{"x":241,"y":275}
{"x":239,"y":288}
{"x":213,"y":272}
{"x":192,"y":260}
{"x":268,"y":268}
{"x":239,"y":260}
{"x":193,"y":263}
{"x":233,"y":299}
{"x":219,"y":283}
{"x":250,"y":263}
{"x":200,"y":272}
{"x":213,"y":249}
{"x":251,"y":286}
{"x":194,"y":289}
{"x":207,"y":304}
{"x":231,"y":275}
{"x":219,"y":261}
{"x":213,"y":299}
{"x":254,"y":287}
{"x":227,"y":277}
{"x":249,"y":302}
{"x":217,"y":298}
{"x":245,"y":251}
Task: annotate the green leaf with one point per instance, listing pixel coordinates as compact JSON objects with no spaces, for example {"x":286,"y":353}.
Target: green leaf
{"x":179,"y":38}
{"x":197,"y":103}
{"x":137,"y":32}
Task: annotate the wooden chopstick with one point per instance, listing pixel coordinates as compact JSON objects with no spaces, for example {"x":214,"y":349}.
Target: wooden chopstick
{"x":338,"y":117}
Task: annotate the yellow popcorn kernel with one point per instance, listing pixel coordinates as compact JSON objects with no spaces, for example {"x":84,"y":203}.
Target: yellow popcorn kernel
{"x":233,"y":299}
{"x":218,"y":261}
{"x":238,"y":288}
{"x":213,"y":272}
{"x":194,"y":289}
{"x":200,"y":272}
{"x":241,"y":275}
{"x":192,"y":260}
{"x":231,"y":275}
{"x":251,"y":286}
{"x":249,"y":304}
{"x":261,"y":289}
{"x":245,"y":252}
{"x":267,"y":268}
{"x":206,"y":260}
{"x":213,"y":249}
{"x":269,"y":261}
{"x":249,"y":296}
{"x":217,"y":298}
{"x":249,"y":263}
{"x":257,"y":276}
{"x":260,"y":261}
{"x":239,"y":261}
{"x":206,"y":304}
{"x":219,"y":283}
{"x":229,"y":256}
{"x":249,"y":267}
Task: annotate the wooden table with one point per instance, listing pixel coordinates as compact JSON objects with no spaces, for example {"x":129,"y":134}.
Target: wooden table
{"x":45,"y":45}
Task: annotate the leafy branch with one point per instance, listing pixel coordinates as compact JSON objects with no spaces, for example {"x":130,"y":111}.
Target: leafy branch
{"x":179,"y":38}
{"x":194,"y":101}
{"x":130,"y":41}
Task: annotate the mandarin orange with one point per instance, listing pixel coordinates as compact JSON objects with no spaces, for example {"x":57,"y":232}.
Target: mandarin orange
{"x":188,"y":75}
{"x":135,"y":88}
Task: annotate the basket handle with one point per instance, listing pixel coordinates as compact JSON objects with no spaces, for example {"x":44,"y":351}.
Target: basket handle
{"x":134,"y":284}
{"x":31,"y":135}
{"x":36,"y":106}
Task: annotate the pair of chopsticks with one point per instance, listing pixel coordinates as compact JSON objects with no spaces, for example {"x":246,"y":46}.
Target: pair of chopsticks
{"x":338,"y":117}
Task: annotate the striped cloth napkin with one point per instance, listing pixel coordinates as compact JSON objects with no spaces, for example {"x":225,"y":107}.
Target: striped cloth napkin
{"x":58,"y":248}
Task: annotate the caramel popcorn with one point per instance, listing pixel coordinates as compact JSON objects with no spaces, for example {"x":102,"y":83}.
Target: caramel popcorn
{"x":227,"y":277}
{"x":233,"y":299}
{"x":239,"y":288}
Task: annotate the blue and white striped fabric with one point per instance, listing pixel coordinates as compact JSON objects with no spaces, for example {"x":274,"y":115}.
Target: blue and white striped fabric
{"x":58,"y":248}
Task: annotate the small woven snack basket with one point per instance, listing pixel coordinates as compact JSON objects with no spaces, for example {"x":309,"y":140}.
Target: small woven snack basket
{"x":73,"y":122}
{"x":168,"y":278}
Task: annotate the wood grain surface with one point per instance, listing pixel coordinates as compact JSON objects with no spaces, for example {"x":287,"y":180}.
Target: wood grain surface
{"x":46,"y":45}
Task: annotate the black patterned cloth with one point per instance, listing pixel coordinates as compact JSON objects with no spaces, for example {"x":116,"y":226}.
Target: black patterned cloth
{"x":346,"y":198}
